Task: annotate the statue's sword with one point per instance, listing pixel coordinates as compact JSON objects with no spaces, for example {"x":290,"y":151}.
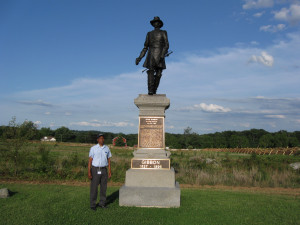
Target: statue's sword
{"x":166,"y":55}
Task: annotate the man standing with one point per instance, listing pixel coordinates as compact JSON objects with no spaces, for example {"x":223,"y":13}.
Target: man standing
{"x":157,"y":45}
{"x":99,"y":160}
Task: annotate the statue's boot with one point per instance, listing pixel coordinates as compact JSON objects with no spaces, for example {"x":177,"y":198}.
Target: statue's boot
{"x":156,"y":82}
{"x":150,"y":82}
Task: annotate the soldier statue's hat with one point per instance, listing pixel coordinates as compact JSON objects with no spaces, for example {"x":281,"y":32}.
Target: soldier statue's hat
{"x":157,"y":19}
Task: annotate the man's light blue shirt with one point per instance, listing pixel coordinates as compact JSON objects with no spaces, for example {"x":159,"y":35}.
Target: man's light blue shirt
{"x":100,"y":155}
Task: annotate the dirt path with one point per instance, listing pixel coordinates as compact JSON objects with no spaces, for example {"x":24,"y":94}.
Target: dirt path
{"x":266,"y":190}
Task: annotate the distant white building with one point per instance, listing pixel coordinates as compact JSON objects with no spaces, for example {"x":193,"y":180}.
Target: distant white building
{"x":48,"y":138}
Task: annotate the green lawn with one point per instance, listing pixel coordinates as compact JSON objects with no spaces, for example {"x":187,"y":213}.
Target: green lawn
{"x":61,"y":204}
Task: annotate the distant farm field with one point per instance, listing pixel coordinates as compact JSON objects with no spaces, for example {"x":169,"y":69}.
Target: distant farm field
{"x":64,"y":204}
{"x":231,"y":167}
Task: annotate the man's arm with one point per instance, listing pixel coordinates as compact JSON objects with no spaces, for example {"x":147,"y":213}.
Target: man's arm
{"x":90,"y":167}
{"x":109,"y":169}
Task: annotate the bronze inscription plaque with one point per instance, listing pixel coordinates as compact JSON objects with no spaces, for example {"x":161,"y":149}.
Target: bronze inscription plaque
{"x":151,"y":132}
{"x":150,"y":164}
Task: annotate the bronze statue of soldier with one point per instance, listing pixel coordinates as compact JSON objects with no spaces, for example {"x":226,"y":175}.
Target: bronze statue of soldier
{"x":157,"y":45}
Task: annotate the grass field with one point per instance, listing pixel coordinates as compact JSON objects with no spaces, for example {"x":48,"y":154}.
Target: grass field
{"x":63,"y":204}
{"x":68,"y":161}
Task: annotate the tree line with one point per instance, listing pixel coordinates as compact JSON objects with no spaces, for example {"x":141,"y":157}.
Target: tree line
{"x":254,"y":138}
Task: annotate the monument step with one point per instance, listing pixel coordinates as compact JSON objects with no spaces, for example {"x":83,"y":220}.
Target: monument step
{"x":150,"y":178}
{"x":161,"y":197}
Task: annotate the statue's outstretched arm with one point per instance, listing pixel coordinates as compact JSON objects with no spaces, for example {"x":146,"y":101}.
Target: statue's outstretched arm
{"x":144,"y":50}
{"x":166,"y":46}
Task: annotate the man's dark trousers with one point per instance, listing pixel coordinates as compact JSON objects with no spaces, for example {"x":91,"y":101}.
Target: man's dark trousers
{"x":96,"y":180}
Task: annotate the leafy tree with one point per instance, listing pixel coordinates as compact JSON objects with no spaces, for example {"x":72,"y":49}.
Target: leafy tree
{"x":2,"y":128}
{"x":237,"y":141}
{"x":219,"y":141}
{"x":228,"y":134}
{"x":293,"y":142}
{"x":206,"y":141}
{"x":173,"y":141}
{"x":187,"y":136}
{"x":253,"y":136}
{"x":29,"y":130}
{"x":91,"y":136}
{"x":267,"y":141}
{"x":80,"y":136}
{"x":194,"y":140}
{"x":46,"y":131}
{"x":297,"y":135}
{"x":15,"y":137}
{"x":187,"y":131}
{"x":281,"y":139}
{"x":132,"y":139}
{"x":64,"y":134}
{"x":109,"y":136}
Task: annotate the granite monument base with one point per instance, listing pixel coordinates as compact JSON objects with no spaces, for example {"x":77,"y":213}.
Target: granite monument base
{"x":160,"y":197}
{"x":151,"y":181}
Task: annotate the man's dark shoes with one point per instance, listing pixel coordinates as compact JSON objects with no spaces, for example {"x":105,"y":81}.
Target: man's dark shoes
{"x":93,"y":208}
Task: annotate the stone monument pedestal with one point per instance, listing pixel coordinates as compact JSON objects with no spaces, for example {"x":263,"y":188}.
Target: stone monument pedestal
{"x":151,"y":181}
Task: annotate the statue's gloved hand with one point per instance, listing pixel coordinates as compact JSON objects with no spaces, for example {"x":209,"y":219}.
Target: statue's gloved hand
{"x":162,"y":58}
{"x":137,"y":61}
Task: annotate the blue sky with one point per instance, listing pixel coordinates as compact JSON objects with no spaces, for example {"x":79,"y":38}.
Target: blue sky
{"x":235,"y":64}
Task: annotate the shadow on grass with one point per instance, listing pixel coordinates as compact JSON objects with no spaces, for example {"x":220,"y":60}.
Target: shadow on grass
{"x":12,"y":193}
{"x":112,"y":198}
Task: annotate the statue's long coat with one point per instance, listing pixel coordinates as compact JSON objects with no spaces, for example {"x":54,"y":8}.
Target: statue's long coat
{"x":157,"y":45}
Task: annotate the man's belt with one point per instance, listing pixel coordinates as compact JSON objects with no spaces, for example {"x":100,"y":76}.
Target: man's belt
{"x":99,"y":167}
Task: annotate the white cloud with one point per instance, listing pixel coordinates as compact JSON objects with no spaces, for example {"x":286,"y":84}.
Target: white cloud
{"x":259,"y":14}
{"x":291,"y":14}
{"x":275,"y":116}
{"x":273,"y":28}
{"x":247,"y":125}
{"x":211,"y":108}
{"x":282,"y":14}
{"x":38,"y":122}
{"x":36,"y":102}
{"x":68,"y":114}
{"x":205,"y":108}
{"x":264,"y":59}
{"x":47,"y":113}
{"x":257,"y":4}
{"x":254,"y":43}
{"x":102,"y":124}
{"x":272,"y":124}
{"x":280,"y":26}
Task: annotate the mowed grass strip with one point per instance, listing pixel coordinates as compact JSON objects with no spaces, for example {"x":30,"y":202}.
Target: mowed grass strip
{"x":62,"y":204}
